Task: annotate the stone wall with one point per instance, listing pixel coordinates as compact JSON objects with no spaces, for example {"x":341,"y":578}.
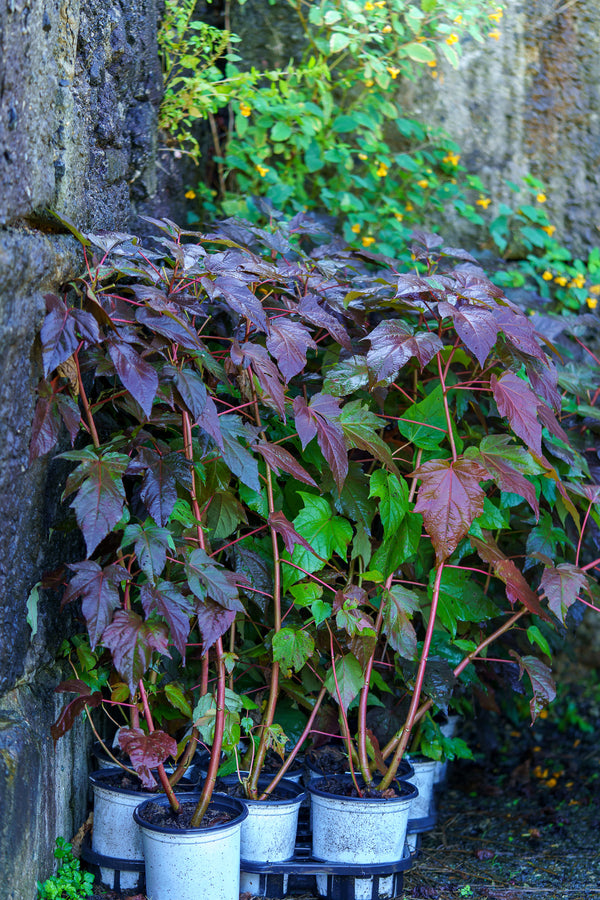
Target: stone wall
{"x":79,"y":91}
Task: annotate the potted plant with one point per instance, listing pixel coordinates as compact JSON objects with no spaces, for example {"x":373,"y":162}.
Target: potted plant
{"x":281,"y":419}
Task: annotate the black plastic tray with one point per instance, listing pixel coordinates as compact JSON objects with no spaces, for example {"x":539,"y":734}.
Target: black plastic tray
{"x":96,"y":861}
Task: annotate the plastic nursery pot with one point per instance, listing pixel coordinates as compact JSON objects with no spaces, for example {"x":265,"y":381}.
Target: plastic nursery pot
{"x":448,"y":729}
{"x":193,"y":863}
{"x":269,"y":833}
{"x":336,"y":763}
{"x":422,"y":812}
{"x":115,"y":835}
{"x":196,"y":769}
{"x":361,"y":830}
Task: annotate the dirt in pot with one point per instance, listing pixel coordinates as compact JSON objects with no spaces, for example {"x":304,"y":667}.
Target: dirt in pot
{"x":346,"y":788}
{"x":237,"y":790}
{"x":158,"y":814}
{"x":328,"y":759}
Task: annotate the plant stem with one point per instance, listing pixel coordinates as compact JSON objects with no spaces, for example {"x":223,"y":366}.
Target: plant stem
{"x":363,"y":757}
{"x":215,"y":756}
{"x":164,"y":778}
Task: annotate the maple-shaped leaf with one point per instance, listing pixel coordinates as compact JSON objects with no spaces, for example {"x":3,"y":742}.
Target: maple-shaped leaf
{"x":99,"y":592}
{"x":393,"y":344}
{"x":71,"y":712}
{"x":240,"y":299}
{"x":562,"y":586}
{"x":291,"y":537}
{"x":517,"y":588}
{"x":58,"y":335}
{"x":325,"y":534}
{"x":542,"y":683}
{"x":412,"y":283}
{"x":100,"y":495}
{"x":161,"y":472}
{"x":450,"y":497}
{"x":45,"y":429}
{"x":321,"y":417}
{"x":400,"y":604}
{"x":424,"y":424}
{"x":495,"y":453}
{"x":288,"y":342}
{"x":279,"y":458}
{"x":518,"y":403}
{"x":475,"y":326}
{"x":208,"y":578}
{"x":213,"y":621}
{"x":189,"y":386}
{"x":147,"y":751}
{"x":170,"y":326}
{"x":137,"y":375}
{"x":132,"y":642}
{"x":393,"y":499}
{"x":361,"y":430}
{"x":168,"y":601}
{"x":519,"y":331}
{"x":461,"y":599}
{"x":292,"y":648}
{"x":151,"y":542}
{"x":311,"y":310}
{"x":267,"y":374}
{"x":347,"y":682}
{"x":347,"y":376}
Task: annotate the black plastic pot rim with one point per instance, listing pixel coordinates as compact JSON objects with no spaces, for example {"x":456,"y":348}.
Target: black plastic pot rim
{"x":98,"y":778}
{"x":405,"y":771}
{"x":407,"y":790}
{"x":220,"y":802}
{"x":295,"y":792}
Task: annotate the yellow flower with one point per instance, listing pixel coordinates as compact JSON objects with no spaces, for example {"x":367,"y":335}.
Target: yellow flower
{"x":578,"y":281}
{"x":591,"y":302}
{"x":451,"y":158}
{"x":595,"y":289}
{"x":561,"y":280}
{"x":386,"y":29}
{"x":495,"y":34}
{"x":380,"y":4}
{"x":432,"y":63}
{"x":434,"y":74}
{"x":423,"y":183}
{"x":394,"y":72}
{"x":398,"y":216}
{"x":547,"y":276}
{"x":541,"y":198}
{"x":452,"y":39}
{"x":552,"y":782}
{"x":355,"y":228}
{"x":549,"y":229}
{"x":457,"y":20}
{"x":369,"y":7}
{"x":483,"y":201}
{"x":495,"y":16}
{"x":190,"y":195}
{"x":262,"y":170}
{"x":382,"y":170}
{"x":362,"y":156}
{"x":245,"y":110}
{"x":367,"y":241}
{"x":409,"y":207}
{"x":369,"y":82}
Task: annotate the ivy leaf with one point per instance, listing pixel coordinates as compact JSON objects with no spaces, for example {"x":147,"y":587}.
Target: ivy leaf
{"x":393,"y":344}
{"x":321,"y":418}
{"x":400,"y":604}
{"x":147,"y":751}
{"x":461,"y":599}
{"x":542,"y":683}
{"x":518,"y":403}
{"x":292,"y":648}
{"x":208,"y":578}
{"x":236,"y":456}
{"x":475,"y":326}
{"x":545,"y":537}
{"x":169,"y":326}
{"x":424,"y":423}
{"x":132,"y":641}
{"x":450,"y":498}
{"x":349,"y":676}
{"x":99,"y":592}
{"x":360,"y":427}
{"x":71,"y":712}
{"x":399,"y":546}
{"x":241,"y":300}
{"x":208,"y":420}
{"x":151,"y":542}
{"x":58,"y":335}
{"x":291,"y":537}
{"x":100,"y":493}
{"x":279,"y":458}
{"x":45,"y":429}
{"x":326,"y":534}
{"x":168,"y":601}
{"x":563,"y":585}
{"x":288,"y":342}
{"x":347,"y":376}
{"x":190,"y":387}
{"x":495,"y":453}
{"x":213,"y":620}
{"x":311,"y":310}
{"x":160,"y":475}
{"x":517,"y":588}
{"x":519,"y":331}
{"x":137,"y":375}
{"x":393,"y":499}
{"x":267,"y":374}
{"x":544,"y":381}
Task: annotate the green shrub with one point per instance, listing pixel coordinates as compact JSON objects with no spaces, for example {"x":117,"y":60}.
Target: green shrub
{"x":69,"y":883}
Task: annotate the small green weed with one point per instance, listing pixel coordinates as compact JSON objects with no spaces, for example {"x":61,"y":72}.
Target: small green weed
{"x":69,"y":883}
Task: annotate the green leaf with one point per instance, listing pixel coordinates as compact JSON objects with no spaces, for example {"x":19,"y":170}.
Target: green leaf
{"x":281,"y":131}
{"x":338,"y":42}
{"x":393,"y":499}
{"x":177,"y":698}
{"x":32,"y":609}
{"x":306,"y":593}
{"x":292,"y":649}
{"x":424,"y":423}
{"x":361,"y":427}
{"x":327,"y":534}
{"x":151,"y":542}
{"x":536,"y":637}
{"x":461,"y":599}
{"x":398,"y":547}
{"x":349,"y":676}
{"x":419,"y":52}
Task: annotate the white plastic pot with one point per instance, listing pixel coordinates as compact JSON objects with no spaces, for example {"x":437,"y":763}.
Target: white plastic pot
{"x":448,"y":729}
{"x":193,"y":863}
{"x":422,"y":778}
{"x":314,"y":771}
{"x":357,"y":830}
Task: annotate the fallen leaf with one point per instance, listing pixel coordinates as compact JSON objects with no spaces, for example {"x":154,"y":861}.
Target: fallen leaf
{"x":485,"y":854}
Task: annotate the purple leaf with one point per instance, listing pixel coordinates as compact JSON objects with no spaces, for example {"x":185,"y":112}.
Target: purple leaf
{"x":267,"y":374}
{"x":190,"y":387}
{"x":170,"y":327}
{"x":393,"y":344}
{"x":168,"y":601}
{"x":288,"y":342}
{"x":291,"y":537}
{"x":69,"y":411}
{"x":547,"y":418}
{"x":208,"y":578}
{"x":86,"y":326}
{"x":45,"y":429}
{"x":321,"y":418}
{"x":159,"y":492}
{"x":563,"y":585}
{"x":542,"y":683}
{"x":137,"y":375}
{"x":241,"y":300}
{"x":99,"y":502}
{"x":475,"y":326}
{"x":494,"y":453}
{"x":519,"y":331}
{"x":208,"y":420}
{"x":99,"y":592}
{"x":544,"y":381}
{"x":517,"y":589}
{"x":518,"y":403}
{"x":310,"y":309}
{"x":71,"y":712}
{"x":59,"y":340}
{"x":132,"y":642}
{"x":279,"y":458}
{"x":213,"y":620}
{"x":147,"y":751}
